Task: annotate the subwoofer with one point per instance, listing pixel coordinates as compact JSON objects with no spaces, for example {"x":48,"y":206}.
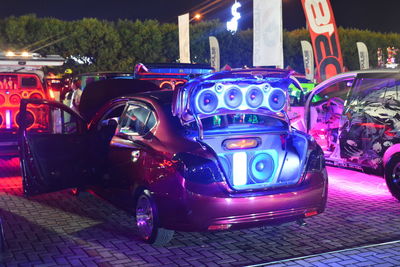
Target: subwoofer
{"x":30,"y":119}
{"x":276,"y":100}
{"x":261,"y":168}
{"x":207,"y":101}
{"x":254,"y":97}
{"x":233,"y":97}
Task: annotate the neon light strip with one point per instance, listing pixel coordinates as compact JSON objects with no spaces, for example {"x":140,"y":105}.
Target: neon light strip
{"x":239,"y":168}
{"x":8,"y":119}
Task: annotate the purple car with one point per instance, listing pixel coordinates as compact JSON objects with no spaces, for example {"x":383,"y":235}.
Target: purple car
{"x":215,"y":154}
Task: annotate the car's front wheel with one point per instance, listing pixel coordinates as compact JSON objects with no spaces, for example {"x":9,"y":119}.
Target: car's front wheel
{"x":392,"y":176}
{"x":148,"y":222}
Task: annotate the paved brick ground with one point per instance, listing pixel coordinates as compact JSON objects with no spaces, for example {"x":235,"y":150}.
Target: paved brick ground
{"x":387,"y":254}
{"x":59,"y":229}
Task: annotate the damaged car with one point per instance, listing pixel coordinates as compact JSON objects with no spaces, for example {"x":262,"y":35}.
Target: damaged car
{"x":355,"y":117}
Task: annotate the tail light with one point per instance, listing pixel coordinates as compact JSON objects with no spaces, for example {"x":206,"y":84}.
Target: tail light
{"x":197,"y":169}
{"x":316,"y":160}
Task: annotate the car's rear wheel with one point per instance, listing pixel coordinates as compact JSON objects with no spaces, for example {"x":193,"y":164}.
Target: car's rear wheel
{"x":148,"y":222}
{"x":392,"y":176}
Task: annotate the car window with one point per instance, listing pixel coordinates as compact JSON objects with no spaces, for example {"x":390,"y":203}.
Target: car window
{"x":150,"y":123}
{"x":374,"y":90}
{"x":338,"y":89}
{"x":112,"y":114}
{"x":28,"y":82}
{"x":134,"y":119}
{"x":52,"y":120}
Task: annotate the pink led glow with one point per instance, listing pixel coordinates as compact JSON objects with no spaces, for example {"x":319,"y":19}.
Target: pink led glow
{"x":8,"y":119}
{"x":358,"y":183}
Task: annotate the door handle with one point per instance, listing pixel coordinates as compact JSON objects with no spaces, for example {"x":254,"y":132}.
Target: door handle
{"x":135,"y":154}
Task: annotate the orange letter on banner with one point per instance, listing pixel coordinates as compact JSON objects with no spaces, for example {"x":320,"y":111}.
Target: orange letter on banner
{"x":324,"y":38}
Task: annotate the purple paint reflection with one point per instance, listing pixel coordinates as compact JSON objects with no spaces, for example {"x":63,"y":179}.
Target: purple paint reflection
{"x":357,"y":183}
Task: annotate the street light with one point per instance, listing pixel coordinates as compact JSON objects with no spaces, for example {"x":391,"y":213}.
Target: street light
{"x":196,"y":17}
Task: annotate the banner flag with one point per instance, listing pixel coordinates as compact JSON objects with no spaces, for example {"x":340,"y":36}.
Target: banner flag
{"x":363,"y":55}
{"x":308,"y":59}
{"x":324,"y":36}
{"x":214,"y":53}
{"x":268,"y":36}
{"x":184,"y":38}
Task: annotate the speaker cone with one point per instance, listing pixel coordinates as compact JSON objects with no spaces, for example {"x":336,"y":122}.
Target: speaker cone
{"x":29,"y":119}
{"x":254,"y":97}
{"x":2,"y":100}
{"x":36,"y":96}
{"x":207,"y":101}
{"x":276,"y":100}
{"x":233,"y":97}
{"x":15,"y":99}
{"x":262,"y":167}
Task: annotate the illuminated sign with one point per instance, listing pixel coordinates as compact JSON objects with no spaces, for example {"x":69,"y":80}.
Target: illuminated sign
{"x":232,"y":25}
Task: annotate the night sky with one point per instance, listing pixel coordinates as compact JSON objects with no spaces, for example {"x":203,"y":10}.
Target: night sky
{"x":362,"y":14}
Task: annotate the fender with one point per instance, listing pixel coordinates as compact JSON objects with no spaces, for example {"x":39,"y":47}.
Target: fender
{"x":390,"y":152}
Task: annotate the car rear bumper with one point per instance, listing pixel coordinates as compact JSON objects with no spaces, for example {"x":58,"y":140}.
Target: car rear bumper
{"x":199,"y":212}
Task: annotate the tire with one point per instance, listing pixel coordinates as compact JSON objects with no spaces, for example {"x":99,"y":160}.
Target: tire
{"x":148,"y":223}
{"x":2,"y":237}
{"x":392,"y":176}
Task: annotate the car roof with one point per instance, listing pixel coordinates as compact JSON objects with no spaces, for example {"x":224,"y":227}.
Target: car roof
{"x":162,"y":97}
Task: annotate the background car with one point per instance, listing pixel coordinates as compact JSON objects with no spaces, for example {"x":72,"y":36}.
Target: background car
{"x":165,"y":76}
{"x":223,"y":157}
{"x":21,"y":77}
{"x":357,"y":120}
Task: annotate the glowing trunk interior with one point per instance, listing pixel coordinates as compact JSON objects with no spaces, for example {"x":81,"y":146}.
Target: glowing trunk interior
{"x":277,"y":160}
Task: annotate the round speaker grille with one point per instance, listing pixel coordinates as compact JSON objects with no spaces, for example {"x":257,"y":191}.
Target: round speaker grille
{"x":233,"y":97}
{"x":207,"y":101}
{"x":276,"y":100}
{"x":254,"y":97}
{"x":262,"y":167}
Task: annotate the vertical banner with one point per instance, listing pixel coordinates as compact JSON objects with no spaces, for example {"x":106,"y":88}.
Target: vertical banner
{"x":308,"y":59}
{"x":363,"y":55}
{"x":268,"y":36}
{"x":214,"y":53}
{"x":324,"y":36}
{"x":184,"y":38}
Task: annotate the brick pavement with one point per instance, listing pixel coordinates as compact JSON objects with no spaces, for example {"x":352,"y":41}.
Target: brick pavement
{"x":59,"y":229}
{"x":386,"y":254}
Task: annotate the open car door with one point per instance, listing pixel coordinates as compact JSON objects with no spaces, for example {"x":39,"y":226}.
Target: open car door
{"x":54,"y":147}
